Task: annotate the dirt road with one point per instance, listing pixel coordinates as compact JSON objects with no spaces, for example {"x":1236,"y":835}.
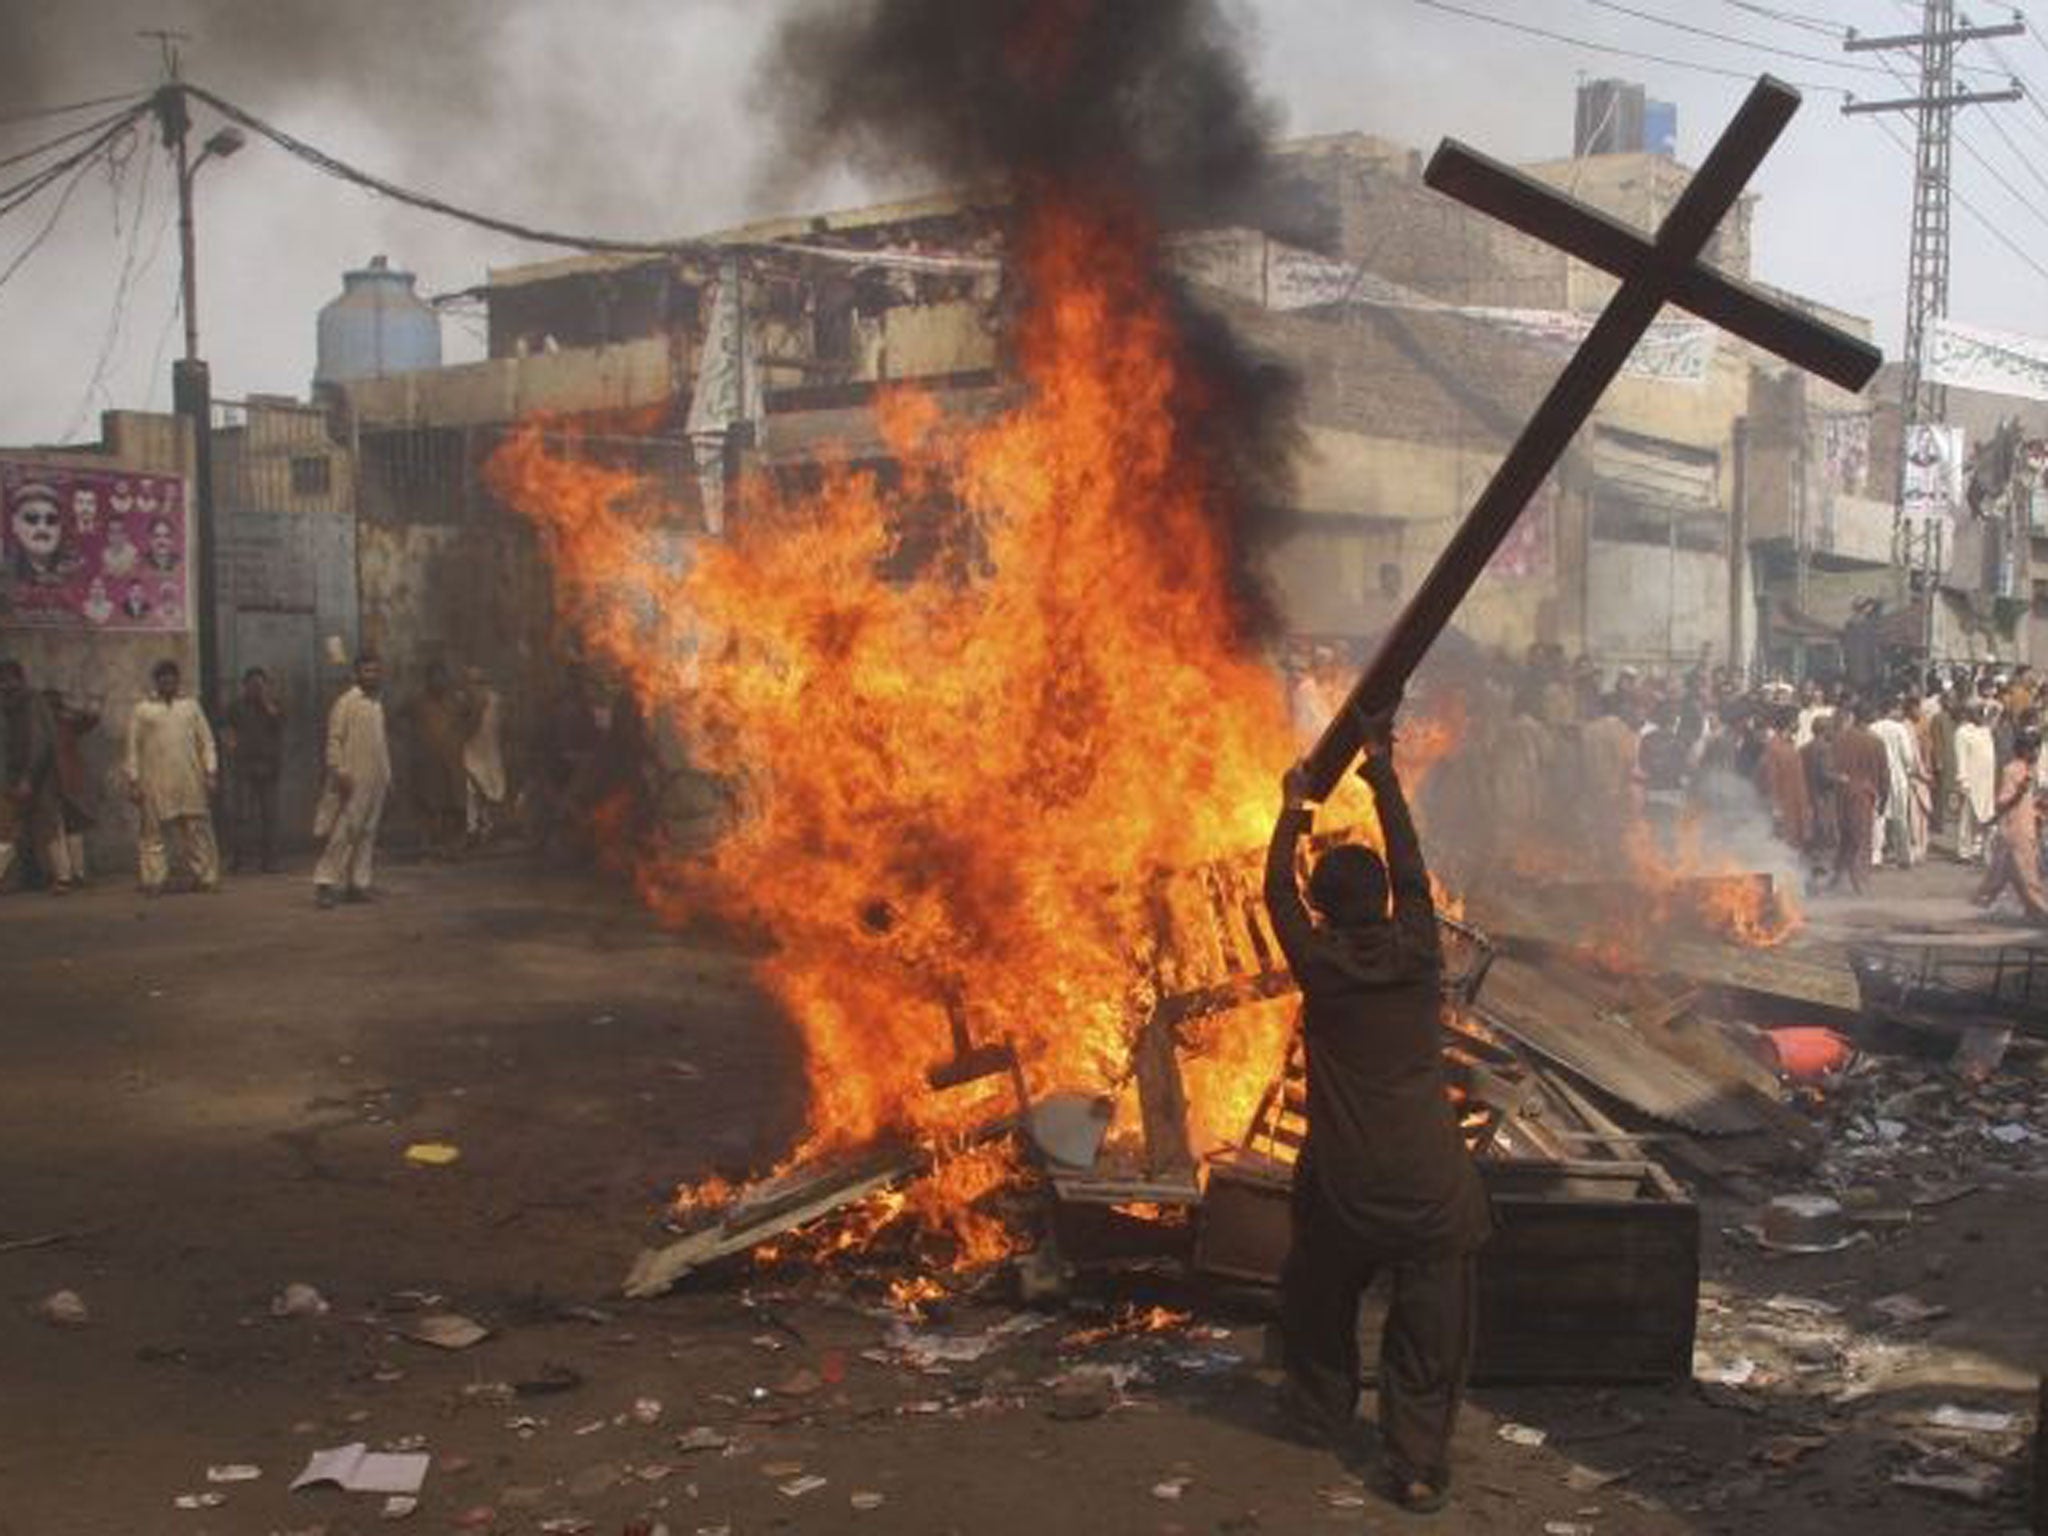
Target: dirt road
{"x":214,"y":1097}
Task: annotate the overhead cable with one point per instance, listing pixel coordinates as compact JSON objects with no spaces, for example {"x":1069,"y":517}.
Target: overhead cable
{"x":1610,"y":48}
{"x":321,"y":160}
{"x":1754,"y":44}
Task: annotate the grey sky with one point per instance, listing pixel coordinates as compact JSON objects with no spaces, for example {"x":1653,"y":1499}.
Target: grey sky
{"x":637,"y":118}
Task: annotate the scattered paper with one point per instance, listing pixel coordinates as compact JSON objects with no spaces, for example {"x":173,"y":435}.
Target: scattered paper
{"x":702,"y":1438}
{"x":298,"y":1300}
{"x":866,"y":1501}
{"x":358,"y":1469}
{"x":1522,"y":1434}
{"x":199,"y":1500}
{"x":646,"y":1410}
{"x":398,"y":1506}
{"x":432,"y":1154}
{"x":233,"y":1472}
{"x":1172,"y":1488}
{"x":445,"y":1330}
{"x":66,"y":1309}
{"x":796,"y":1488}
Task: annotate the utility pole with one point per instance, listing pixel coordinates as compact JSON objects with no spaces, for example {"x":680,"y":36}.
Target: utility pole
{"x":1927,"y":265}
{"x":191,"y":384}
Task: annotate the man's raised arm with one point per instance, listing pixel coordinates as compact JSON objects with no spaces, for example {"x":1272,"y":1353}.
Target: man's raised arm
{"x":1284,"y":906}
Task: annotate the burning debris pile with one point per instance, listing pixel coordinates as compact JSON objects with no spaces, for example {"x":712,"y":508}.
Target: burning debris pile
{"x":997,"y":790}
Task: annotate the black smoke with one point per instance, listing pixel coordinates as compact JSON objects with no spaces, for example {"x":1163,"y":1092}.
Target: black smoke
{"x":1146,"y":102}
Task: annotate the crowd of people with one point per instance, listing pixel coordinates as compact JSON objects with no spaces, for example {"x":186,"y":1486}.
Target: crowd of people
{"x":186,"y":771}
{"x":1557,"y":759}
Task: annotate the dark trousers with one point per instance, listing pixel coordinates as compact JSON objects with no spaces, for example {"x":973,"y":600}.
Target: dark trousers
{"x":1859,"y":816}
{"x":255,"y":822}
{"x":1425,"y":1348}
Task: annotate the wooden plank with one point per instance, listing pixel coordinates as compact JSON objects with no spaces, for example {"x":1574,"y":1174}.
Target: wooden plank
{"x":1547,"y":1010}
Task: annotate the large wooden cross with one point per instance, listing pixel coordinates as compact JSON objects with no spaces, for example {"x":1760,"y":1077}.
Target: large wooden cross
{"x":1653,"y":273}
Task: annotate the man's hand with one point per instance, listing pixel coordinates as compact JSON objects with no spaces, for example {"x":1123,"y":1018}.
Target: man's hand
{"x":1294,"y":787}
{"x":1376,"y":730}
{"x":344,"y":785}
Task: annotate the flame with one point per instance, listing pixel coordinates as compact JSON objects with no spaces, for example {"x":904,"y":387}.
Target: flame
{"x":955,"y":788}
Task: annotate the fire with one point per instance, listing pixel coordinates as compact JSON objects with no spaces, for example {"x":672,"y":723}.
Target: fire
{"x":956,"y":787}
{"x":1692,"y":880}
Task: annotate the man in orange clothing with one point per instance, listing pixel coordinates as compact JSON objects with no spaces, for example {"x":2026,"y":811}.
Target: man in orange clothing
{"x":2016,"y":857}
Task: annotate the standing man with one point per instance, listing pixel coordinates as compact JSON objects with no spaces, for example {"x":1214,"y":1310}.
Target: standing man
{"x":2016,"y":854}
{"x":172,"y":773}
{"x":358,"y":776}
{"x":483,"y":758}
{"x":1976,"y":786}
{"x":28,"y":799}
{"x":255,"y":735}
{"x":1939,"y":718}
{"x":441,"y":722}
{"x":1384,"y":1180}
{"x":71,"y":724}
{"x":1905,"y":816}
{"x":1863,"y":775}
{"x":1823,"y":797}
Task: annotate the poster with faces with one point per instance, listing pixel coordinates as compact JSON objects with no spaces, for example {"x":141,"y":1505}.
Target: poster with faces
{"x":90,"y":549}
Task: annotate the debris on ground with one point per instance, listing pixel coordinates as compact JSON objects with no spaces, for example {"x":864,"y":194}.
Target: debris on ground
{"x":65,"y":1309}
{"x":355,"y":1468}
{"x":445,"y":1330}
{"x":298,"y":1300}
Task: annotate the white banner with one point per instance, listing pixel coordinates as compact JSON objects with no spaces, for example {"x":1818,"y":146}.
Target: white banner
{"x":1994,"y":362}
{"x":1676,"y":350}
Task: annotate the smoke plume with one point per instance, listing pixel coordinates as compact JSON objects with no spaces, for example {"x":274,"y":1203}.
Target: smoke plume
{"x":1142,"y":108}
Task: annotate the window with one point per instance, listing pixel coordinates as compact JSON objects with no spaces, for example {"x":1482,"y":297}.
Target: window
{"x":312,"y":475}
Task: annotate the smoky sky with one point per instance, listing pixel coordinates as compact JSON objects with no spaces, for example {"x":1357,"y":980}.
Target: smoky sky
{"x":637,"y":118}
{"x":1157,"y":93}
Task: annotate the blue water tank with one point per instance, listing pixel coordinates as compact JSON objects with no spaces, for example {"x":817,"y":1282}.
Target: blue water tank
{"x":378,"y":326}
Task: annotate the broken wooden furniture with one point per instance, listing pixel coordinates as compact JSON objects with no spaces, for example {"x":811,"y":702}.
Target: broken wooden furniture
{"x":1951,"y":986}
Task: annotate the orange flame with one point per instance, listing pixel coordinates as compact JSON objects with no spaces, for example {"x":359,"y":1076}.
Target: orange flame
{"x":955,"y":788}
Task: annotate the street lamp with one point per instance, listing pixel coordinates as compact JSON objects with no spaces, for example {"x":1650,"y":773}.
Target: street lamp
{"x":191,"y":388}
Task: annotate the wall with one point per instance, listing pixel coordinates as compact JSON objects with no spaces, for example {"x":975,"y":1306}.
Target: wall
{"x":1648,"y":604}
{"x":285,"y":493}
{"x":110,"y":669}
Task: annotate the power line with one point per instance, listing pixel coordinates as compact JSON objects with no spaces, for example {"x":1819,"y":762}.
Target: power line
{"x":26,"y":189}
{"x":321,"y":160}
{"x":1609,"y":48}
{"x":1730,"y":37}
{"x":1822,"y":26}
{"x":124,"y":283}
{"x":1982,"y":159}
{"x":69,"y":138}
{"x":37,"y":114}
{"x":35,"y":243}
{"x":1989,"y":225}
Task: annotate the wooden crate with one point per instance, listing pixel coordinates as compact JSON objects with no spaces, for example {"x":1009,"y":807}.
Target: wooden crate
{"x":1592,"y":1274}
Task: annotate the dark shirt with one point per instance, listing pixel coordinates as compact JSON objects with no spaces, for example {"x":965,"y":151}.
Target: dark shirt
{"x":1383,"y":1147}
{"x":259,"y":739}
{"x":1662,"y":759}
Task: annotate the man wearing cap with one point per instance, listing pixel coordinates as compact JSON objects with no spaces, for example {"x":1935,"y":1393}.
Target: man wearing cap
{"x":1384,"y":1181}
{"x":172,"y":771}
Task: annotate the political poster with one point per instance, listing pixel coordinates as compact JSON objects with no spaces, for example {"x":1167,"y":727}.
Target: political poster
{"x":92,"y":549}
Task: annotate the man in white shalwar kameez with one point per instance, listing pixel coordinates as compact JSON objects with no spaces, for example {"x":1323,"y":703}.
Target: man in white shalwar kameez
{"x":1976,"y":786}
{"x":358,"y":778}
{"x":1905,"y":822}
{"x":483,"y":756}
{"x":172,"y":769}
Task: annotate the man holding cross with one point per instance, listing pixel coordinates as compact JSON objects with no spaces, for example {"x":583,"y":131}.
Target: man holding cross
{"x":1396,"y":1188}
